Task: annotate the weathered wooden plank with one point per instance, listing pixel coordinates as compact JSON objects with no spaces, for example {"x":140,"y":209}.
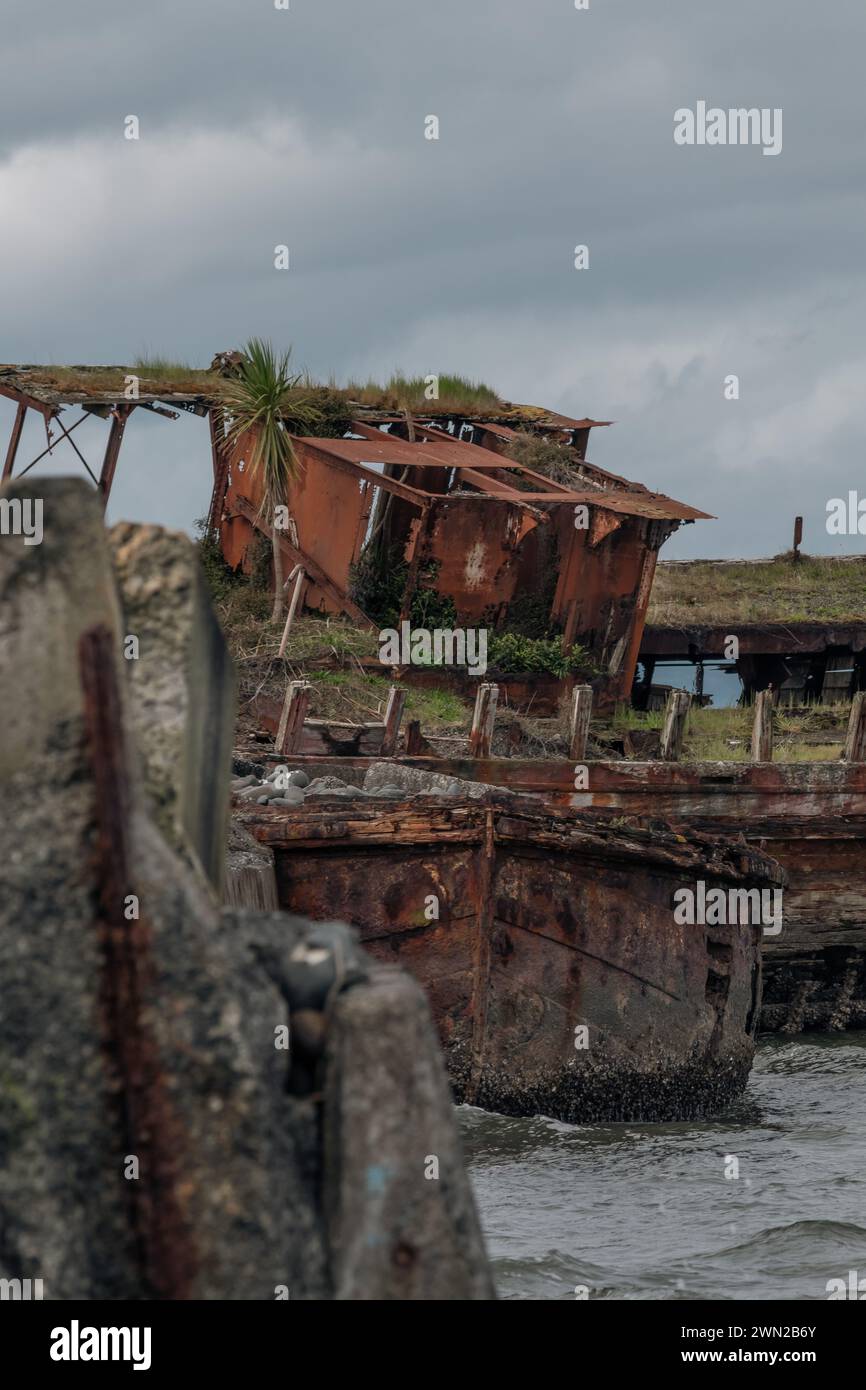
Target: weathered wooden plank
{"x":393,"y":715}
{"x":674,"y":727}
{"x":762,"y":728}
{"x":483,"y":719}
{"x":294,"y":713}
{"x":581,"y":713}
{"x":855,"y":742}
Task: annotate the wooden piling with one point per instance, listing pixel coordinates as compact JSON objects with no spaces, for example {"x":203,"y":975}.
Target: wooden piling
{"x":674,"y":728}
{"x":855,"y":742}
{"x":762,"y":728}
{"x":581,"y":712}
{"x":393,"y":715}
{"x":294,"y":713}
{"x":298,"y":575}
{"x":481,"y":734}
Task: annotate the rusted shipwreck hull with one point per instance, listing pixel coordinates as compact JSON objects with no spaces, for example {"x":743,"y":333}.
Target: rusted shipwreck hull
{"x":811,"y":817}
{"x":560,"y":980}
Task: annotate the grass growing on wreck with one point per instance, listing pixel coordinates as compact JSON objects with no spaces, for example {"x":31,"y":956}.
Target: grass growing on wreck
{"x":813,"y":589}
{"x":816,"y":734}
{"x":400,"y":392}
{"x":157,"y":374}
{"x":554,"y":461}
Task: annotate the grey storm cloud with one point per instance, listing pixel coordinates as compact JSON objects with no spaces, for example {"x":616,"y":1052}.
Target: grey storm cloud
{"x":305,"y":127}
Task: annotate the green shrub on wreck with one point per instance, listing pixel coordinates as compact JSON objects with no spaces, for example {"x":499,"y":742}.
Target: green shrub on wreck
{"x":512,"y":653}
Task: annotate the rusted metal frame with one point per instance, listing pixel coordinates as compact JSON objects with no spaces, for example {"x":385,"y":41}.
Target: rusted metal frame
{"x":355,"y":470}
{"x":315,"y":574}
{"x":63,"y":432}
{"x":164,"y":1246}
{"x":497,"y":464}
{"x":417,"y":548}
{"x":569,"y":569}
{"x":32,"y":402}
{"x":656,"y":535}
{"x":428,"y":458}
{"x":534,"y":477}
{"x":612,"y":778}
{"x":121,"y":414}
{"x":14,"y":440}
{"x":220,"y":456}
{"x":510,"y":495}
{"x":684,"y":642}
{"x":491,"y":485}
{"x":486,"y":855}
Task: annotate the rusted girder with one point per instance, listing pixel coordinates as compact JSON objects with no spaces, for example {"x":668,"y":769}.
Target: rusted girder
{"x":14,"y":440}
{"x":150,"y":1132}
{"x":120,"y":415}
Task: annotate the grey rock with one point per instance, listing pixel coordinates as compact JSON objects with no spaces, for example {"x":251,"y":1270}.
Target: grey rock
{"x":414,"y":779}
{"x":419,"y":1237}
{"x":268,"y":792}
{"x":294,"y":778}
{"x":251,"y":880}
{"x":328,"y":784}
{"x":228,"y":1204}
{"x":182,"y":690}
{"x":253,"y":791}
{"x":342,"y":793}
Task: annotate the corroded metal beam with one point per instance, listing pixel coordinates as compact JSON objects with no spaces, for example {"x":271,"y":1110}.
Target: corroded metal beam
{"x":163,"y":1241}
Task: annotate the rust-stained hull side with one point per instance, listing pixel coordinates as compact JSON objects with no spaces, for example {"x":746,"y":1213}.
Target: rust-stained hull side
{"x":810,"y":817}
{"x":547,"y":924}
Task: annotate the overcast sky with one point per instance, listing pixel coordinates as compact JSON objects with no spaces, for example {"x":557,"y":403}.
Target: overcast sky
{"x":305,"y":127}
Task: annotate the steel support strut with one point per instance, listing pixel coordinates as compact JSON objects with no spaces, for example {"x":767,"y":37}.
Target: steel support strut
{"x":120,"y":415}
{"x":14,"y":440}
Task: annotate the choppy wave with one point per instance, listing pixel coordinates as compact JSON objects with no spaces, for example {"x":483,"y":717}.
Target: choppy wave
{"x":647,"y":1212}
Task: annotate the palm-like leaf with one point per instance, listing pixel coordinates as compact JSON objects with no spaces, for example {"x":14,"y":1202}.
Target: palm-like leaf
{"x":264,"y":403}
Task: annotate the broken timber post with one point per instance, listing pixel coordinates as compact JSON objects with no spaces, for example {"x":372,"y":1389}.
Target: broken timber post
{"x":481,"y":734}
{"x":855,"y":743}
{"x":674,"y":728}
{"x":393,"y":715}
{"x":413,"y":738}
{"x":293,"y":606}
{"x":292,"y":718}
{"x":581,"y":712}
{"x":762,"y":729}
